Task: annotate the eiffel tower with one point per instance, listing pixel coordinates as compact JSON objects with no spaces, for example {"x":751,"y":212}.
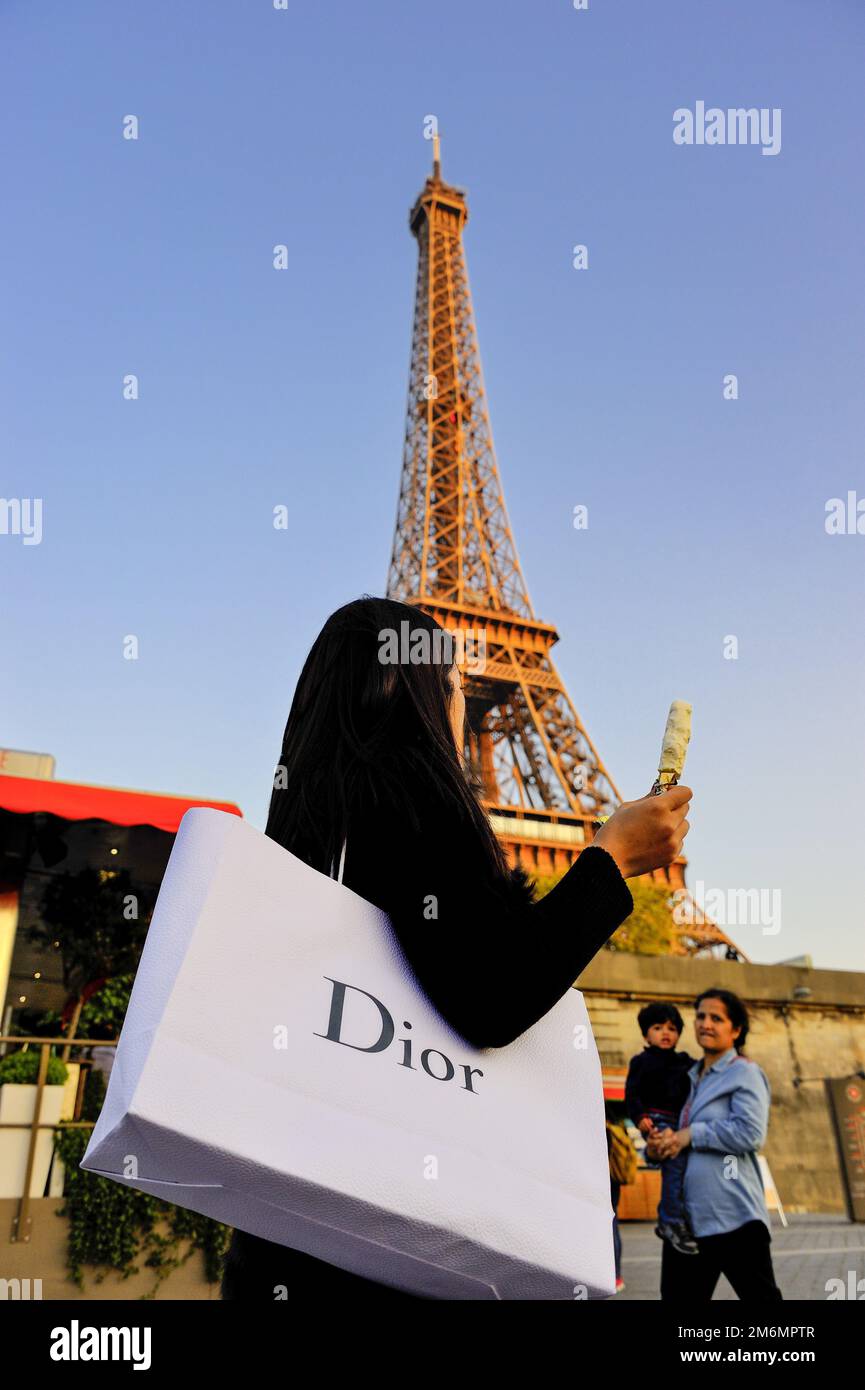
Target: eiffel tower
{"x":544,"y":783}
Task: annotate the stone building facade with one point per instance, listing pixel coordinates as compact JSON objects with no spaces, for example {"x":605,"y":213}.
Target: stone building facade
{"x":807,"y":1026}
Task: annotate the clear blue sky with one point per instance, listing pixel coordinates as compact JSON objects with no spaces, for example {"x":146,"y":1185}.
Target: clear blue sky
{"x":706,"y":516}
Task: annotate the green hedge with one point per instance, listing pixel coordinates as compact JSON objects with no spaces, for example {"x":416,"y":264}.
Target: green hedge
{"x":22,"y":1068}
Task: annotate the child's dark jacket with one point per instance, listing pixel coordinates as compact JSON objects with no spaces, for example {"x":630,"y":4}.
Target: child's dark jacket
{"x":657,"y":1080}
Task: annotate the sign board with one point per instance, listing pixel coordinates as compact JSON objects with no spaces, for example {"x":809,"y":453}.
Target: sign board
{"x":847,"y":1095}
{"x":15,"y":763}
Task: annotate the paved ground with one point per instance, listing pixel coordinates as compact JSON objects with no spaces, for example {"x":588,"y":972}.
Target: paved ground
{"x":810,"y":1251}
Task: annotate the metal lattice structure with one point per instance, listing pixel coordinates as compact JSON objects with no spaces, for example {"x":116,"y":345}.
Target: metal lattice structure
{"x":454,"y":556}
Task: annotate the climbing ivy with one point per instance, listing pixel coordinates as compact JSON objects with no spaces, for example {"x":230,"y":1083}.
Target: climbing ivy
{"x":113,"y":1225}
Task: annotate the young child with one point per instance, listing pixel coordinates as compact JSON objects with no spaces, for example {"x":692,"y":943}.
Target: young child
{"x":655,"y":1091}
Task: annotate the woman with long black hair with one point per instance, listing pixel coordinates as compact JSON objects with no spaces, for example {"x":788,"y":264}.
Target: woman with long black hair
{"x":373,"y":760}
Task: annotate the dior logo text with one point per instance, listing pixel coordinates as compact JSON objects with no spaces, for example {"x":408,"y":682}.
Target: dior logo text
{"x":442,"y":1069}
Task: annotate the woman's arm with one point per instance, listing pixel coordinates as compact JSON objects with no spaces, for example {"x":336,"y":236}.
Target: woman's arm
{"x":492,"y":962}
{"x":744,"y":1128}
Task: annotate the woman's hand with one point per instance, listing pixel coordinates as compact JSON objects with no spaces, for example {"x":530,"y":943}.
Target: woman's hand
{"x":670,"y":1142}
{"x":646,"y":834}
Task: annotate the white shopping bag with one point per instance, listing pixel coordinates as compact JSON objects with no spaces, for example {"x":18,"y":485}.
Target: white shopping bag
{"x":267,"y":1076}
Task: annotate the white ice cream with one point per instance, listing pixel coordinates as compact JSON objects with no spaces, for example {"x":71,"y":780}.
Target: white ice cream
{"x":675,"y":745}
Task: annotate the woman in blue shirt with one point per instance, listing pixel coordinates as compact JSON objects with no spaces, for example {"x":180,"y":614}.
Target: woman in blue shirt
{"x":722,"y":1126}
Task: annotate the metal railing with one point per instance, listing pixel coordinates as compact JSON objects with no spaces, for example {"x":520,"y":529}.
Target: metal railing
{"x":22,"y":1221}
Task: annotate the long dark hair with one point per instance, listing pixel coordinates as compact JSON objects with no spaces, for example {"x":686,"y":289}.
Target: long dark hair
{"x":363,"y":733}
{"x":736,"y":1011}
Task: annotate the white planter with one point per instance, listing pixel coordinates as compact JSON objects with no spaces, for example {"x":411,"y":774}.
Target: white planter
{"x":70,"y":1090}
{"x":18,"y":1104}
{"x":57,"y":1179}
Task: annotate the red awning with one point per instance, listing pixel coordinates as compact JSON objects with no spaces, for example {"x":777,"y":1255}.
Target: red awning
{"x":82,"y":801}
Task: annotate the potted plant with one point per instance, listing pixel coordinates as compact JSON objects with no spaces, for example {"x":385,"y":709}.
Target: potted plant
{"x":101,"y":1017}
{"x":18,"y":1074}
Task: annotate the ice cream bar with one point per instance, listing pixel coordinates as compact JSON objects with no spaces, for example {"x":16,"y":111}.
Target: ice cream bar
{"x":675,"y":745}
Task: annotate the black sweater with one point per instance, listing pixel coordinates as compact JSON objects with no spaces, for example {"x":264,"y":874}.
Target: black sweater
{"x":657,"y":1080}
{"x":493,"y":963}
